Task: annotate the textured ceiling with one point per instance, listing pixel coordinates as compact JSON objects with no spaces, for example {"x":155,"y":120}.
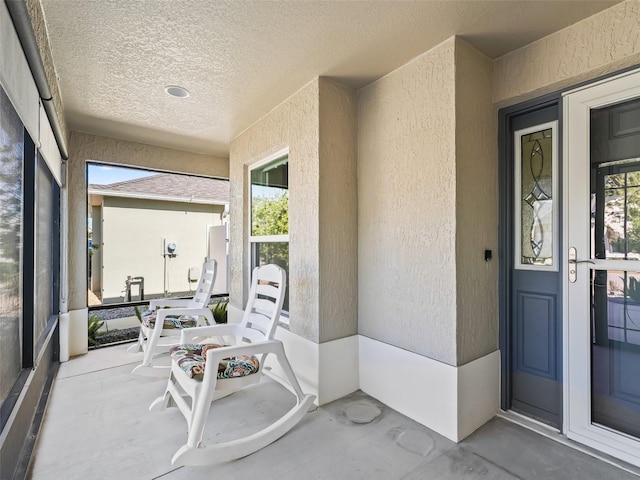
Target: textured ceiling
{"x":241,"y":58}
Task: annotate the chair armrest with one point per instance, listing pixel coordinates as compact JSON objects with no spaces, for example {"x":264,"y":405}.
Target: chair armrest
{"x":168,"y":302}
{"x":219,"y":330}
{"x":165,"y":312}
{"x":266,"y":346}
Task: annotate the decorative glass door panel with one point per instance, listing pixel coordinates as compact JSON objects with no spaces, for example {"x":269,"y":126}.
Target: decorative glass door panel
{"x":536,"y":184}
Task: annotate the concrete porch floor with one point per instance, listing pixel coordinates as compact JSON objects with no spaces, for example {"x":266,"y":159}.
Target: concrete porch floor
{"x":97,"y":426}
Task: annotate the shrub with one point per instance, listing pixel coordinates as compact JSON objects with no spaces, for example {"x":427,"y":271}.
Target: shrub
{"x":95,"y":323}
{"x":220,"y":311}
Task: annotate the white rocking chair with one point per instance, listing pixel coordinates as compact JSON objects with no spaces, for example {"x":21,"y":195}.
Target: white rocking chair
{"x":237,"y":366}
{"x":160,"y":328}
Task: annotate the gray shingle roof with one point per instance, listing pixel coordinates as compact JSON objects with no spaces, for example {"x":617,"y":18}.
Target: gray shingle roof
{"x":172,"y":185}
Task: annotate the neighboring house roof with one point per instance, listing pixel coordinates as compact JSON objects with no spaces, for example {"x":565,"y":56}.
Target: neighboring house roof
{"x":169,"y":187}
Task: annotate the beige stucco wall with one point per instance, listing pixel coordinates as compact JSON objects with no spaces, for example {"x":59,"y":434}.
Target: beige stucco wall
{"x":317,"y":125}
{"x":603,"y":43}
{"x":407,"y":206}
{"x":293,"y":124}
{"x":338,"y":197}
{"x":476,"y":206}
{"x":83,"y":147}
{"x":132,"y":235}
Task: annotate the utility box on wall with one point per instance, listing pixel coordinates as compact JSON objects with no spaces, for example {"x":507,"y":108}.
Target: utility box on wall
{"x":169,"y":246}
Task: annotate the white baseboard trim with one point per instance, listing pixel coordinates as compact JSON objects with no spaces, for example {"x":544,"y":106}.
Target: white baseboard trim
{"x":453,"y":401}
{"x":478,"y":393}
{"x":303,"y":356}
{"x":78,"y":342}
{"x":63,"y":325}
{"x":339,"y":373}
{"x":328,"y":370}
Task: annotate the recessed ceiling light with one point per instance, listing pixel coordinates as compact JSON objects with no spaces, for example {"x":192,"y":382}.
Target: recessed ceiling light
{"x":176,"y":91}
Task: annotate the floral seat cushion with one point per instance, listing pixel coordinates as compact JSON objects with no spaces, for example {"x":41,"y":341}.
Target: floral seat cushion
{"x":192,"y":359}
{"x":170,"y":321}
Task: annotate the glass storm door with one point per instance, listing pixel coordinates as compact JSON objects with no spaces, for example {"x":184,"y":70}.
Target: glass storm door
{"x":602,"y":128}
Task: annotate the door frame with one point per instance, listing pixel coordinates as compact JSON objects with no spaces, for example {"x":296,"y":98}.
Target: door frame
{"x":577,"y":425}
{"x":506,"y":216}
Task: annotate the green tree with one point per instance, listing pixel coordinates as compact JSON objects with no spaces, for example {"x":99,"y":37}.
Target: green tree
{"x":270,"y":215}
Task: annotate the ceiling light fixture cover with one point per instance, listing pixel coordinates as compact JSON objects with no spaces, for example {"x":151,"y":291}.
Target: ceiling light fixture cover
{"x":176,"y":91}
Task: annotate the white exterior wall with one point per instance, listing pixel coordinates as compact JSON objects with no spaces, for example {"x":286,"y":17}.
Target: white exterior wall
{"x":132,"y":233}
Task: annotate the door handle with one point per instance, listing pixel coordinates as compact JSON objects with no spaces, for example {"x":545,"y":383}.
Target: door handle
{"x":573,"y":261}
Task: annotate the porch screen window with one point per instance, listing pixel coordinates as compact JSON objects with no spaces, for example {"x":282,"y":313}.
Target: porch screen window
{"x":29,"y":255}
{"x":269,"y":238}
{"x":47,"y":248}
{"x":11,"y":222}
{"x":536,"y":189}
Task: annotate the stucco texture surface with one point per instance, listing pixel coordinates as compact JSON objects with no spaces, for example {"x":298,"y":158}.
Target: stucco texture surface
{"x":476,"y":206}
{"x":84,"y":147}
{"x":600,"y":44}
{"x":338,"y":197}
{"x":293,"y":124}
{"x":407,"y":206}
{"x":317,"y":124}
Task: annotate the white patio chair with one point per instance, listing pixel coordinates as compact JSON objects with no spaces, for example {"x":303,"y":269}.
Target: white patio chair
{"x":234,"y":367}
{"x":160,"y":328}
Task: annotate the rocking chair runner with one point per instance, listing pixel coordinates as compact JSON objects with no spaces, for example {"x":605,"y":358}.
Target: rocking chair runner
{"x":161,"y":327}
{"x":206,"y":372}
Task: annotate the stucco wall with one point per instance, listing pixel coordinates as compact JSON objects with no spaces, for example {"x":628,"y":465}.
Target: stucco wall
{"x":476,"y":206}
{"x":407,"y":206}
{"x":317,"y":124}
{"x":293,"y":124}
{"x":83,"y":147}
{"x":338,"y":197}
{"x":132,"y":235}
{"x":603,"y":43}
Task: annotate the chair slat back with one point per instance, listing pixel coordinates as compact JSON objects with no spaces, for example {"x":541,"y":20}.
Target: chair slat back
{"x":204,"y":289}
{"x":268,"y":286}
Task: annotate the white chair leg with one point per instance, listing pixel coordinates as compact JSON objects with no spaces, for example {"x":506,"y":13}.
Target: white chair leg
{"x":160,"y":403}
{"x":199,"y":413}
{"x":150,"y":347}
{"x":234,"y":449}
{"x":286,"y":366}
{"x":137,"y":347}
{"x":152,"y":342}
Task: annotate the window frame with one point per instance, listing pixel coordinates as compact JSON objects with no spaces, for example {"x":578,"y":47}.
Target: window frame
{"x":256,"y":239}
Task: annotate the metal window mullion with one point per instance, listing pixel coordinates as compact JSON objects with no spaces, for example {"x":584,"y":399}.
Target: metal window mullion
{"x":268,"y":238}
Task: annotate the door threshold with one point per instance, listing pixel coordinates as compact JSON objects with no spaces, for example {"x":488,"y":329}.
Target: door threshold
{"x":530,"y":423}
{"x":557,"y":436}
